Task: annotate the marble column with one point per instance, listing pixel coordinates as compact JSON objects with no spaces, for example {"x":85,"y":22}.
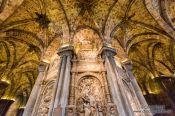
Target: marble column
{"x":144,"y":106}
{"x":33,"y":96}
{"x":56,"y":89}
{"x":60,"y":99}
{"x":116,"y":85}
{"x":65,"y":90}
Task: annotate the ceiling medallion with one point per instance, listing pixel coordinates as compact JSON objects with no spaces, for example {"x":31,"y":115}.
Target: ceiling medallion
{"x":86,"y":6}
{"x":42,"y":19}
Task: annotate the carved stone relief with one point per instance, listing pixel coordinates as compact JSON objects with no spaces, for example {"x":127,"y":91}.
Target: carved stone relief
{"x":71,"y":111}
{"x":45,"y":100}
{"x":90,"y":98}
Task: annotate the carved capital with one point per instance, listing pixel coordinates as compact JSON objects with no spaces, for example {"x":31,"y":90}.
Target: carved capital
{"x":127,"y":64}
{"x":107,"y":51}
{"x":42,"y":66}
{"x":66,"y":51}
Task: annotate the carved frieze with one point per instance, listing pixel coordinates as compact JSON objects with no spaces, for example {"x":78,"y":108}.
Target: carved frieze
{"x":87,"y":66}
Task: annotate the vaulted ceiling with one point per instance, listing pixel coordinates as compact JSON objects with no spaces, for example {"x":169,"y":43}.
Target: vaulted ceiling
{"x":32,"y":30}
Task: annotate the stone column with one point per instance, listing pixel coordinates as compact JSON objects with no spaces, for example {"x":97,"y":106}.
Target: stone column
{"x":106,"y":88}
{"x":72,"y":91}
{"x":60,"y":99}
{"x":116,"y":84}
{"x":144,"y":106}
{"x":71,"y":108}
{"x":65,"y":90}
{"x":60,"y":73}
{"x":60,"y":82}
{"x":33,"y":96}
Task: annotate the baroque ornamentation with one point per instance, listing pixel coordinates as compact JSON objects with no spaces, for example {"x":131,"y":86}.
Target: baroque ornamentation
{"x":90,"y":99}
{"x":112,"y":110}
{"x":45,"y":100}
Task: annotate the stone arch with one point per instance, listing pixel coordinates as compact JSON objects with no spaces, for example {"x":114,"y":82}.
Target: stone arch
{"x":87,"y":37}
{"x":96,"y":75}
{"x":89,"y":28}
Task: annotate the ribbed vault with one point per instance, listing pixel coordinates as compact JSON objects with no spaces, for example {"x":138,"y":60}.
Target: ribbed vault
{"x":32,"y":30}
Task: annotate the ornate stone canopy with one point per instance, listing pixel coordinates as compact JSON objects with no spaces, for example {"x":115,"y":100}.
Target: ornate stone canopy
{"x":32,"y":30}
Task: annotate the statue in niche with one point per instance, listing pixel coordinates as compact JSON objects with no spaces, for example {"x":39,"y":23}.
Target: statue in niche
{"x":87,"y":106}
{"x":89,"y":102}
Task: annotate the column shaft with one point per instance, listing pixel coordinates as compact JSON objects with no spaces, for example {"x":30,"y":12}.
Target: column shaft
{"x":62,"y":89}
{"x":60,"y":83}
{"x":33,"y":96}
{"x":107,"y":86}
{"x":126,"y":104}
{"x":142,"y":101}
{"x":65,"y":90}
{"x":117,"y":88}
{"x":113,"y":89}
{"x":72,"y":91}
{"x":62,"y":61}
